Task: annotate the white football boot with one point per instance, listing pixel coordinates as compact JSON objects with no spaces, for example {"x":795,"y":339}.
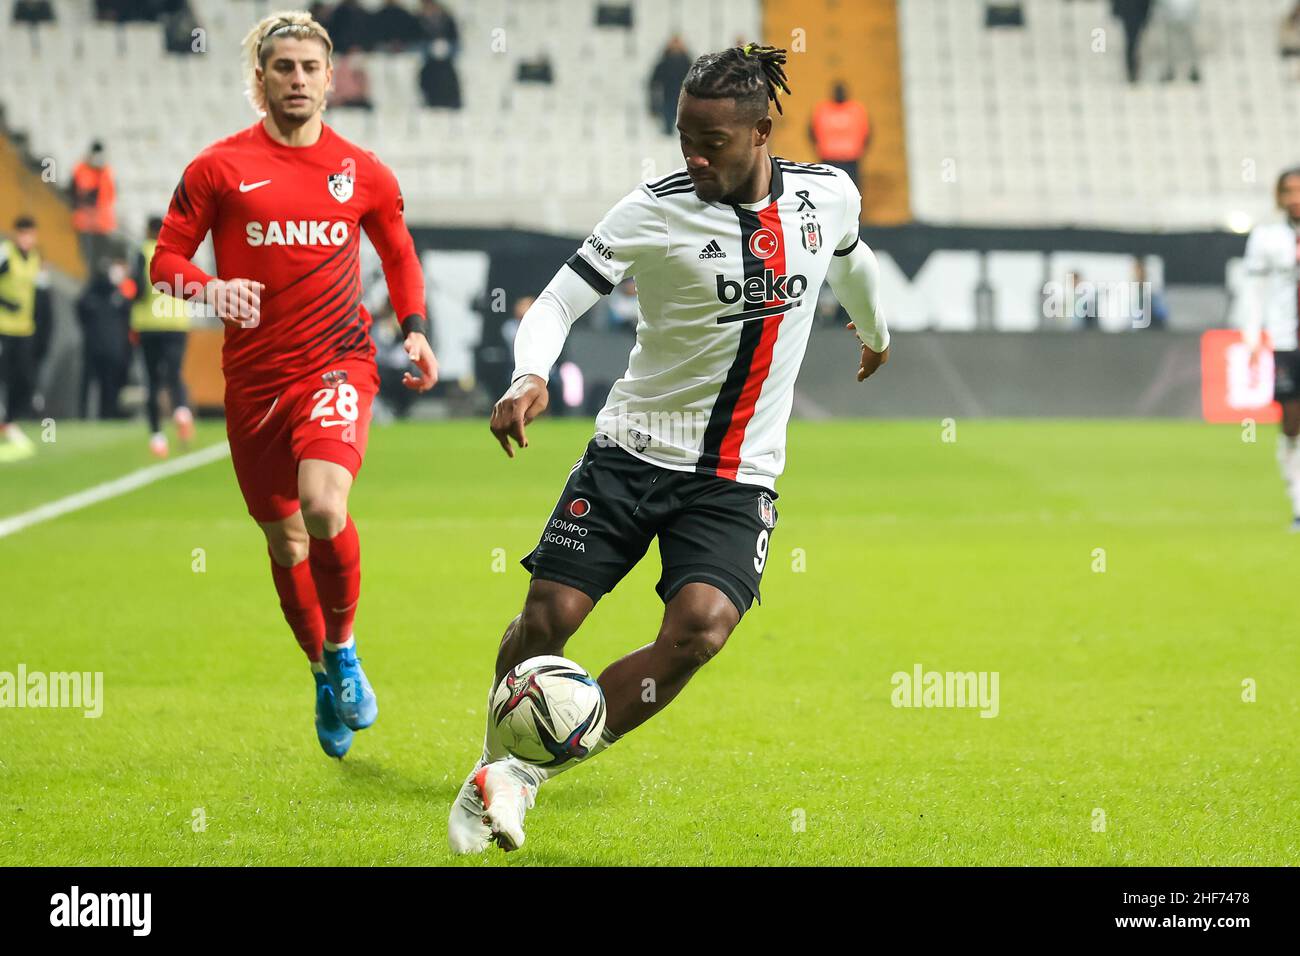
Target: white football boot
{"x":466,"y":830}
{"x":508,"y":791}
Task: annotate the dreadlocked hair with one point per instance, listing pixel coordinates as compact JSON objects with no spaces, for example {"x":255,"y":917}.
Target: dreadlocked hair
{"x":751,"y":74}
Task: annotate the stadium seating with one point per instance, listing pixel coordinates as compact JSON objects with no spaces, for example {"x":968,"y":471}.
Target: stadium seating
{"x":550,"y":157}
{"x":1054,"y":135}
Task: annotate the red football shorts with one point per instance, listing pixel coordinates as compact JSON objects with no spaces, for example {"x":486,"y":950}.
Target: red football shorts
{"x":326,"y":416}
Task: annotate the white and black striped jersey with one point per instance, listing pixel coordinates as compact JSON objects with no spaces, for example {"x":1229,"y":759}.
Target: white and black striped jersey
{"x":1272,"y":255}
{"x":726,"y":296}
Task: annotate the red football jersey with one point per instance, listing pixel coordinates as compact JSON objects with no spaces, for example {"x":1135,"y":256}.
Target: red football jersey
{"x":288,"y":216}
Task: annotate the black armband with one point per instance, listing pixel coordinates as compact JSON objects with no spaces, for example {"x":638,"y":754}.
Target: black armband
{"x":415,"y":323}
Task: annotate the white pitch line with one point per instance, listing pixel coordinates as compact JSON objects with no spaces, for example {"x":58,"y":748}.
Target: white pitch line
{"x":112,"y":489}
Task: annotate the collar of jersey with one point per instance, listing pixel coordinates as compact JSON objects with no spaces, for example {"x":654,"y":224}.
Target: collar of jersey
{"x":325,"y":135}
{"x":778,"y":187}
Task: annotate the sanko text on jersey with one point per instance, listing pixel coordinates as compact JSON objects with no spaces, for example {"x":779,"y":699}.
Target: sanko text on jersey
{"x":300,"y":232}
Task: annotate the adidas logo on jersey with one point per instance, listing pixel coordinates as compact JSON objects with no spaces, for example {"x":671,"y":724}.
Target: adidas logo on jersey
{"x":712,"y":251}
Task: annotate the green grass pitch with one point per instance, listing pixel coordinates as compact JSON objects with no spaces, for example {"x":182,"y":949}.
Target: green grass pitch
{"x":1121,"y":691}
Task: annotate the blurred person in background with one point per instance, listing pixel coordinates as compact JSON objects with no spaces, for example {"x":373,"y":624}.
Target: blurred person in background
{"x":94,"y":198}
{"x":841,"y":132}
{"x":179,"y":25}
{"x":33,"y":12}
{"x":622,"y":306}
{"x":1180,"y":38}
{"x":1133,"y":14}
{"x":395,"y":27}
{"x":20,"y":272}
{"x":1288,"y":34}
{"x":666,"y":82}
{"x":1271,"y":297}
{"x":438,"y":80}
{"x":351,"y":82}
{"x":1151,"y":310}
{"x":160,"y":323}
{"x":104,"y":313}
{"x":351,"y":25}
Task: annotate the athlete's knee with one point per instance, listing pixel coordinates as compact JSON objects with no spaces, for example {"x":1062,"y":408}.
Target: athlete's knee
{"x":550,"y":616}
{"x":287,"y":542}
{"x":696,"y":635}
{"x":324,"y":512}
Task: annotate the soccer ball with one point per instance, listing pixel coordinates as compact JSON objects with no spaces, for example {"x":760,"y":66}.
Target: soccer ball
{"x":548,"y":711}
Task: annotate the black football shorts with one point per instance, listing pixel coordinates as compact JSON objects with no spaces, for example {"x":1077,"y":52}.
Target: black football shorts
{"x":1286,"y":376}
{"x":710,"y":529}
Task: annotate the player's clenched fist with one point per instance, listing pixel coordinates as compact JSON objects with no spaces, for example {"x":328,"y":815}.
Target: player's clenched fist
{"x":523,"y":401}
{"x":236,"y":301}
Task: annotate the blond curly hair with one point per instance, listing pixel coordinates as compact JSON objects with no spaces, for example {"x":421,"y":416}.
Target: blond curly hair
{"x":297,"y":24}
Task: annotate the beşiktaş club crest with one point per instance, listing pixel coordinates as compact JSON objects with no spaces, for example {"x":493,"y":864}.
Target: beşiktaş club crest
{"x":767,"y":511}
{"x":810,"y":232}
{"x":340,"y":185}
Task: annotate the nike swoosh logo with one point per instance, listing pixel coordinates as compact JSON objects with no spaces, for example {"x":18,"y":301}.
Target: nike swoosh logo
{"x":249,"y":187}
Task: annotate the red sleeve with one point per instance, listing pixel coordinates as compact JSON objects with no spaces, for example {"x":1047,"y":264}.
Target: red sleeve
{"x":387,"y":230}
{"x":189,"y":217}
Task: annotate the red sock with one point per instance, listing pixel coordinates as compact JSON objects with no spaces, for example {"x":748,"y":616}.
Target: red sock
{"x":300,"y":605}
{"x":336,"y":569}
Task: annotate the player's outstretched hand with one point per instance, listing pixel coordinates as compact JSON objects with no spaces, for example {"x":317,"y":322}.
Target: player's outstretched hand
{"x":870,"y":360}
{"x":421,"y":355}
{"x":238,"y":302}
{"x":524,"y":400}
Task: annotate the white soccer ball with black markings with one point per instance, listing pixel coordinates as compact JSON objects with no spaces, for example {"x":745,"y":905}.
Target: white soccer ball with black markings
{"x":548,"y":710}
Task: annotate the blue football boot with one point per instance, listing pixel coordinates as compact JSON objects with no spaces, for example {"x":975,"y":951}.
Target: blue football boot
{"x":353,"y":696}
{"x":334,"y":736}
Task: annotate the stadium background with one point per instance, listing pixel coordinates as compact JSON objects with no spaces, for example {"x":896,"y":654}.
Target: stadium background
{"x":1009,"y":151}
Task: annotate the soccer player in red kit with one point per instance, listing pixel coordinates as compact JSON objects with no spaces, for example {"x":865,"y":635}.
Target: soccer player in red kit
{"x":285,"y":201}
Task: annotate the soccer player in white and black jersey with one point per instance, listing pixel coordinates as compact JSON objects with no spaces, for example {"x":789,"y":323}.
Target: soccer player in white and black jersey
{"x":1273,"y":306}
{"x":729,"y":255}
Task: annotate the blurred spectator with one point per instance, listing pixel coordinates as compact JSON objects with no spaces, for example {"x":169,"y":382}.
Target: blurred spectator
{"x":394,"y":27}
{"x":93,"y":200}
{"x":20,"y":273}
{"x":841,"y":131}
{"x":33,"y":12}
{"x":393,"y":363}
{"x":1152,"y":312}
{"x":438,"y":80}
{"x":510,"y":327}
{"x":179,"y":24}
{"x":622,"y":305}
{"x":1180,"y":37}
{"x":135,"y":11}
{"x":1133,"y":14}
{"x":351,"y":82}
{"x":351,"y":25}
{"x":160,"y":324}
{"x":535,"y":70}
{"x":1288,"y":34}
{"x":1003,"y":13}
{"x":666,"y":83}
{"x":104,"y":313}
